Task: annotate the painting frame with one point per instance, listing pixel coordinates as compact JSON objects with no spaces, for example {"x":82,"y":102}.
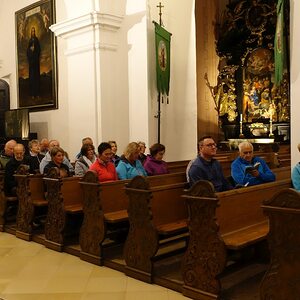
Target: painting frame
{"x":36,"y":56}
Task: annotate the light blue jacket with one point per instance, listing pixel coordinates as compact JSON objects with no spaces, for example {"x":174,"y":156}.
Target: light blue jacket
{"x":240,"y":176}
{"x":296,"y":177}
{"x":126,"y":170}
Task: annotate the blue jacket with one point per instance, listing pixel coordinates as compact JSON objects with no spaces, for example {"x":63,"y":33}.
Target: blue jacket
{"x":240,"y":176}
{"x":201,"y":169}
{"x":126,"y":170}
{"x":296,"y":177}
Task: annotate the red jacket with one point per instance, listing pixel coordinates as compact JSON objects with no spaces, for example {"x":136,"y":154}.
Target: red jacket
{"x":106,"y":172}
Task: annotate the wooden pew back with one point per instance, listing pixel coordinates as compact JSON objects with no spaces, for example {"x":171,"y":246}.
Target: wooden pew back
{"x":226,"y":220}
{"x":166,"y":204}
{"x":155,"y":213}
{"x":71,"y":192}
{"x":281,"y":278}
{"x":240,"y":208}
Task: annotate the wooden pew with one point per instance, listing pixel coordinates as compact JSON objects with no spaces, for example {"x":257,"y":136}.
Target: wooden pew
{"x":156,"y":213}
{"x":105,"y":204}
{"x":30,"y":191}
{"x":177,"y":166}
{"x":5,"y":201}
{"x":281,"y":280}
{"x":217,"y":222}
{"x":64,"y":196}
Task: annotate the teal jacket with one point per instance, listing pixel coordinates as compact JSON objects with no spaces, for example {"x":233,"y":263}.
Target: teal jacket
{"x":296,"y":177}
{"x":126,"y":170}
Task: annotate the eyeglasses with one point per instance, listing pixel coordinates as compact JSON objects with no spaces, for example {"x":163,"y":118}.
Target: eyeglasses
{"x":211,"y":145}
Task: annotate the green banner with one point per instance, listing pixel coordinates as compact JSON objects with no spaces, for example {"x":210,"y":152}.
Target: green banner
{"x":162,"y":42}
{"x":279,"y":44}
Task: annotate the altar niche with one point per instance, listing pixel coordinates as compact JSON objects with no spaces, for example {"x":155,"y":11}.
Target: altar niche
{"x":245,"y":45}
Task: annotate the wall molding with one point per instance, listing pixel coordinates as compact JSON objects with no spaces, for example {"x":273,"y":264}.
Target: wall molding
{"x":69,"y":28}
{"x":91,"y":47}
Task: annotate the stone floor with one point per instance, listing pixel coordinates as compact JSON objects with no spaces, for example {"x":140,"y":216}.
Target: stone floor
{"x":29,"y":271}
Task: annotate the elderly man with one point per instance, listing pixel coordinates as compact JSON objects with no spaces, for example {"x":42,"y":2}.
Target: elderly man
{"x":7,"y":153}
{"x":250,"y":170}
{"x":44,"y":146}
{"x":47,"y":158}
{"x":205,"y":167}
{"x":10,"y":184}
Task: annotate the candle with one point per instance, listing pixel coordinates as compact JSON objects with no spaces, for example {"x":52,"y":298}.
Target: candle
{"x":241,"y":117}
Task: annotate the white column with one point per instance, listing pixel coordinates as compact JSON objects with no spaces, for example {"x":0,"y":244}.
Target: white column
{"x":86,"y":37}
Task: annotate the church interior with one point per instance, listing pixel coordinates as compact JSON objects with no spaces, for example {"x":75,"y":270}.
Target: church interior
{"x":155,"y":238}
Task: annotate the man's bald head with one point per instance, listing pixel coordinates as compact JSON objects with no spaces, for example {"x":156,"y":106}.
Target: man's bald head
{"x":19,"y":152}
{"x":9,"y":147}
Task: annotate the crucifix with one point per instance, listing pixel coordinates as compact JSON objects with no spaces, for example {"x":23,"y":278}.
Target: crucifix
{"x":160,"y":13}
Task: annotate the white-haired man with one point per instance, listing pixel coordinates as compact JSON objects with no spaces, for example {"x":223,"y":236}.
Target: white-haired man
{"x":248,"y":169}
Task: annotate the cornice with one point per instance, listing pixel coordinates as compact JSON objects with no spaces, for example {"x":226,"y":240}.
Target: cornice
{"x":71,"y":27}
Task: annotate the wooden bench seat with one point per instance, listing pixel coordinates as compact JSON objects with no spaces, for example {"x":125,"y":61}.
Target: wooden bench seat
{"x":246,"y":236}
{"x":116,"y":216}
{"x":218,"y":222}
{"x":156,"y":213}
{"x":65,"y":199}
{"x":168,"y":229}
{"x":106,"y":204}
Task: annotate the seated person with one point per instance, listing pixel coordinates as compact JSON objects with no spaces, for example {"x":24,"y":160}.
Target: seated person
{"x":35,"y":157}
{"x":7,"y":153}
{"x":103,"y":165}
{"x":296,"y":174}
{"x":57,"y":157}
{"x":205,"y":167}
{"x":84,"y":141}
{"x":86,"y":159}
{"x":114,"y":148}
{"x":47,"y":158}
{"x":19,"y":158}
{"x":44,"y":146}
{"x":130,"y":165}
{"x":242,"y":174}
{"x":154,"y":164}
{"x":142,"y":156}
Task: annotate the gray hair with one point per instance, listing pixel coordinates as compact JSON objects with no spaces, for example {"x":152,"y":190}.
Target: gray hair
{"x":245,"y":144}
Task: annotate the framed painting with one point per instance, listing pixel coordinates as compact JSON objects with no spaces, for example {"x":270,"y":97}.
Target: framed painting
{"x":36,"y":56}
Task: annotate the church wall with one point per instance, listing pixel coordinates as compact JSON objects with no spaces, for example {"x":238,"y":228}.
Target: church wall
{"x":295,"y":79}
{"x":110,"y":93}
{"x":179,"y":117}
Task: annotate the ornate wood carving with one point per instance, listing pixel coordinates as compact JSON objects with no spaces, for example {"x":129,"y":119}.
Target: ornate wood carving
{"x":92,"y":232}
{"x":55,"y":221}
{"x":2,"y":202}
{"x":282,"y":278}
{"x":205,"y":257}
{"x":138,"y":251}
{"x":26,"y":208}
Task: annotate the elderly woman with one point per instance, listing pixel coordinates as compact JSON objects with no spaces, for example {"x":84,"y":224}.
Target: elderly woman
{"x":130,"y":165}
{"x":35,"y":157}
{"x":103,"y":165}
{"x":86,"y":159}
{"x":57,"y":156}
{"x":142,"y":155}
{"x":114,"y":148}
{"x":154,"y":164}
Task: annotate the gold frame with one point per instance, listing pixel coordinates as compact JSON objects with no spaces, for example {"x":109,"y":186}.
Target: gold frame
{"x":36,"y":56}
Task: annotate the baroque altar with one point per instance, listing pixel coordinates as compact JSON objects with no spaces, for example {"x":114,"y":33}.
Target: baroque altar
{"x":245,"y":91}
